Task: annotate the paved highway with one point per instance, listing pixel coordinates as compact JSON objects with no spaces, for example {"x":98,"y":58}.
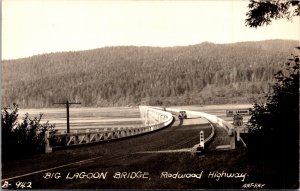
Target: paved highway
{"x":147,"y":157}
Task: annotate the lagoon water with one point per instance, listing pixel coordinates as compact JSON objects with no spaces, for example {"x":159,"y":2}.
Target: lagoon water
{"x":87,"y":117}
{"x":112,"y":117}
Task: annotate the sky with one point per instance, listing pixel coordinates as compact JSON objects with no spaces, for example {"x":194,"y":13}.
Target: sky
{"x":34,"y":27}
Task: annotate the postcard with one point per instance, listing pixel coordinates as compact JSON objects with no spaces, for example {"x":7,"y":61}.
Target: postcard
{"x":150,"y":94}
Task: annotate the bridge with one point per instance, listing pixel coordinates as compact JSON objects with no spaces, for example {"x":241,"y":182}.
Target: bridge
{"x":154,"y":119}
{"x":163,"y":143}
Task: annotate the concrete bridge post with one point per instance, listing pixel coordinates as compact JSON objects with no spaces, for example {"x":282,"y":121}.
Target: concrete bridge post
{"x":48,"y":148}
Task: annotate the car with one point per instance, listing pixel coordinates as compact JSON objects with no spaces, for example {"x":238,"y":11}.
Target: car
{"x":182,"y":115}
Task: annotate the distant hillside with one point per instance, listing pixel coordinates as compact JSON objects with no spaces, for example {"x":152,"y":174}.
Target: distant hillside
{"x":113,"y":76}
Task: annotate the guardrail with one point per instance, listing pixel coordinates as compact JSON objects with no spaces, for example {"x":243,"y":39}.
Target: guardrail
{"x":159,"y":119}
{"x":211,"y":136}
{"x":198,"y":148}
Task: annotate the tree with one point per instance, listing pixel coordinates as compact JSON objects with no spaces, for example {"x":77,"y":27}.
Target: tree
{"x":263,"y":12}
{"x":281,"y":102}
{"x":274,"y":125}
{"x":9,"y":118}
{"x":21,"y":139}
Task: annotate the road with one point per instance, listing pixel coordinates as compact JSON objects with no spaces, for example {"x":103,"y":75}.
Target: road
{"x":139,"y":154}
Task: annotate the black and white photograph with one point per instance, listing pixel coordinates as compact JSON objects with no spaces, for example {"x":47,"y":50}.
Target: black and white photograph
{"x":161,"y":94}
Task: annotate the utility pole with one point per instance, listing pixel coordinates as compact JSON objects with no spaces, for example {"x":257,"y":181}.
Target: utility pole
{"x":67,"y":103}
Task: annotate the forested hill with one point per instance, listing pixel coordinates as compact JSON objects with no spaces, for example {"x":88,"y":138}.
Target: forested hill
{"x":206,"y":73}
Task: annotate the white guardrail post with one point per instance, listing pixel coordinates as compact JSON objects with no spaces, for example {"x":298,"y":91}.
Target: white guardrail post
{"x":202,"y":139}
{"x":157,"y":119}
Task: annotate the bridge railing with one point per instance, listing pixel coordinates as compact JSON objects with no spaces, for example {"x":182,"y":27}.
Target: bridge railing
{"x":158,"y":120}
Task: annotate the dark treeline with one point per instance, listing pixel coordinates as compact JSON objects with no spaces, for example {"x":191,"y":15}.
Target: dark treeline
{"x":113,"y":76}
